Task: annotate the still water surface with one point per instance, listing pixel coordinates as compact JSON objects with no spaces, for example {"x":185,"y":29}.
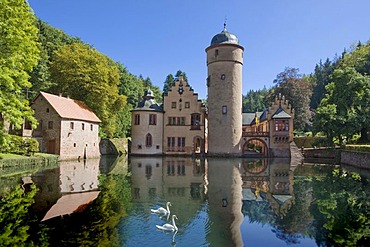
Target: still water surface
{"x":218,"y":202}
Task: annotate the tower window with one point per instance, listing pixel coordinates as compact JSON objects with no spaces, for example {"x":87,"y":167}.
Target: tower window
{"x":224,"y":109}
{"x":187,"y":104}
{"x":173,"y":105}
{"x":152,"y":119}
{"x":223,"y":77}
{"x":148,"y":140}
{"x":216,"y":52}
{"x":137,"y":119}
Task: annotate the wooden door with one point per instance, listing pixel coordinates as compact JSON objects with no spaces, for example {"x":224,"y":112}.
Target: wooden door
{"x":51,"y":147}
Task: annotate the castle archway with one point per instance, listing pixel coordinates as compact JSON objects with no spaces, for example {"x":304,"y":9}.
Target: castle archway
{"x":255,"y":146}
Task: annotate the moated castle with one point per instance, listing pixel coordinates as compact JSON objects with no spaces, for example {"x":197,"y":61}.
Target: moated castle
{"x":183,"y":125}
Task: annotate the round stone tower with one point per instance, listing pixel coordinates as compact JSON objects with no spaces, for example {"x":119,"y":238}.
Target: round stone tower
{"x":224,"y":82}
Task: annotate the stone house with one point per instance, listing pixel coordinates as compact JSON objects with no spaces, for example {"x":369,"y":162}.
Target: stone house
{"x":66,"y":127}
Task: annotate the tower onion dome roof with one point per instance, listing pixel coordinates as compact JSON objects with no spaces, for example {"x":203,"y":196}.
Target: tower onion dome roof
{"x":224,"y":37}
{"x":148,"y":93}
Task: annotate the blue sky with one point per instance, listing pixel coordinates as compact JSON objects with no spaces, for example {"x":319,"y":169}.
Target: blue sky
{"x":157,"y":38}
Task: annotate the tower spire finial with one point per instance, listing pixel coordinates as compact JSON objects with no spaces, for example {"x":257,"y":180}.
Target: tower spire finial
{"x":225,"y":23}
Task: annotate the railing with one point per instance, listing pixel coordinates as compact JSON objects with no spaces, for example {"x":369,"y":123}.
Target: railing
{"x":256,"y":134}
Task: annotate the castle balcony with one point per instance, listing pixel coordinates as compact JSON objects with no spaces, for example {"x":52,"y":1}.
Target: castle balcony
{"x":256,"y":134}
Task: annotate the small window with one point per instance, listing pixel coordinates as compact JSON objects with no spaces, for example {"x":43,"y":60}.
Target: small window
{"x":152,"y":119}
{"x":137,"y":119}
{"x":148,"y":140}
{"x":83,"y":126}
{"x":223,"y":77}
{"x":39,"y":127}
{"x":91,"y":127}
{"x":50,"y":125}
{"x":139,"y":147}
{"x":157,"y":148}
{"x":216,"y":52}
{"x":187,"y":104}
{"x":173,"y":105}
{"x":27,"y":125}
{"x":224,"y":109}
{"x":47,"y":109}
{"x":74,"y":144}
{"x":71,"y":125}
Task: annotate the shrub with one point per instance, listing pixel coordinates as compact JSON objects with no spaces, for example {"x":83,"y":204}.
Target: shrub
{"x":358,"y":148}
{"x":19,"y":145}
{"x":310,"y":141}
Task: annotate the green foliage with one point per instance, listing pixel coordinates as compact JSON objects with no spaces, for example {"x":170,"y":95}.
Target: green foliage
{"x":343,"y":201}
{"x":85,"y":74}
{"x":14,"y":217}
{"x":298,"y":91}
{"x":358,"y":148}
{"x":18,"y":145}
{"x":321,"y":78}
{"x":256,"y":100}
{"x":345,"y":110}
{"x":311,"y":141}
{"x":19,"y":53}
{"x":51,"y":39}
{"x":170,"y":80}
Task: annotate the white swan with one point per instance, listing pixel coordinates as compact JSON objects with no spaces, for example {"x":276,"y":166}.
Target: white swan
{"x":162,"y":210}
{"x":169,"y":227}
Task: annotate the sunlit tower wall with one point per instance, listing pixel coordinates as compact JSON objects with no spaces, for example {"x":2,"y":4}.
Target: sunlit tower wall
{"x":224,"y":82}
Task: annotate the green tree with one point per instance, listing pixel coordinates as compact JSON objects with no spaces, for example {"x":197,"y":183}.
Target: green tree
{"x":345,"y":110}
{"x":51,"y":39}
{"x":130,"y":85}
{"x":168,"y":83}
{"x":342,"y":201}
{"x":255,"y":100}
{"x":321,"y":78}
{"x":298,"y":90}
{"x":170,"y":80}
{"x":15,"y":228}
{"x":19,"y":53}
{"x":85,"y":74}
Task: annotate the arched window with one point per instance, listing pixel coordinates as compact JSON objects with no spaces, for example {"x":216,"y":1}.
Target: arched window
{"x":148,"y":140}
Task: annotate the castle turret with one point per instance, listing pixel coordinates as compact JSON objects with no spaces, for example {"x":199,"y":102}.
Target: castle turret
{"x":224,"y":82}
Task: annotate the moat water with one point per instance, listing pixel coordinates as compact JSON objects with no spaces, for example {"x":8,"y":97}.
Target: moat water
{"x":218,"y":202}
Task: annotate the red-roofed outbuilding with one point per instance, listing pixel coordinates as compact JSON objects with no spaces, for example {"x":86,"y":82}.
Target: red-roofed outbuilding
{"x":67,"y":127}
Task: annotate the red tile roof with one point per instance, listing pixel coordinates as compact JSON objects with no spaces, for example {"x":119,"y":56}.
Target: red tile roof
{"x":70,"y":108}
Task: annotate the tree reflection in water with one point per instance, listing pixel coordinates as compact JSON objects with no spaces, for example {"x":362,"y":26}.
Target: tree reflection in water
{"x":329,"y":206}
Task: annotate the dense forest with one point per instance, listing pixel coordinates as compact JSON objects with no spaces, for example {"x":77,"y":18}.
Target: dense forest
{"x":333,"y":100}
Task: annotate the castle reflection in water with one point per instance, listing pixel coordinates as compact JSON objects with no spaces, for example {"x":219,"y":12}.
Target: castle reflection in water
{"x":219,"y":187}
{"x":224,"y":183}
